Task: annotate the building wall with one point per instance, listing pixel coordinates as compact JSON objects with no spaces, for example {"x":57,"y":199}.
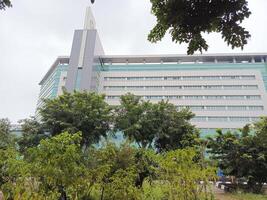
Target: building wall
{"x":221,"y":98}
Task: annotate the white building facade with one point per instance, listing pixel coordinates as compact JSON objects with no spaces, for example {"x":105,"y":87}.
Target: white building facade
{"x":223,"y":90}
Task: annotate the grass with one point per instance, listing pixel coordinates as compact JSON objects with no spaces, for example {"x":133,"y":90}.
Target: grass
{"x":240,"y":197}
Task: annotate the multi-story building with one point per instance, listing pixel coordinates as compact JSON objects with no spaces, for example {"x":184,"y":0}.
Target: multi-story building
{"x":223,"y":90}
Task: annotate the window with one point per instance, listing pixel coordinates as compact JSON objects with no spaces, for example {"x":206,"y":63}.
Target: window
{"x":253,"y":97}
{"x":235,"y":97}
{"x":239,"y":119}
{"x":255,"y":107}
{"x":173,"y":87}
{"x":135,"y":78}
{"x":250,"y":87}
{"x":211,"y":77}
{"x":214,"y":97}
{"x":217,"y":119}
{"x":193,"y":97}
{"x":237,"y":108}
{"x":212,"y":87}
{"x":199,"y":119}
{"x":196,"y":108}
{"x":233,"y":87}
{"x":173,"y":97}
{"x":191,"y":78}
{"x":192,"y":87}
{"x":248,"y":77}
{"x":216,"y":108}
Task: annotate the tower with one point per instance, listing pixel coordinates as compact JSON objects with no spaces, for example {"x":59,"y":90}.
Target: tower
{"x":86,"y":48}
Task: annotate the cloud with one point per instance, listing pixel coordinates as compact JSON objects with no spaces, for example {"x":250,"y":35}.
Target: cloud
{"x":33,"y":33}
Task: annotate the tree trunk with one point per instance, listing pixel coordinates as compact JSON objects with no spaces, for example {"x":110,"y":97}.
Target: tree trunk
{"x":63,"y":195}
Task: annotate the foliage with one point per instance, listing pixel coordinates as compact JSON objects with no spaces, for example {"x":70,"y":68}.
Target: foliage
{"x":6,"y":138}
{"x":4,"y":4}
{"x":184,"y":178}
{"x":80,"y":111}
{"x":117,"y":172}
{"x":32,"y":133}
{"x":174,"y":128}
{"x":12,"y":170}
{"x":57,"y":165}
{"x":136,"y":119}
{"x":243,"y":155}
{"x":160,"y":124}
{"x":188,"y":20}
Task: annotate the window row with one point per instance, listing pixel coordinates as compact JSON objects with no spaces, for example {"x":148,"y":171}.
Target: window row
{"x":158,"y":78}
{"x":222,"y":108}
{"x":183,"y":87}
{"x":195,"y":97}
{"x":224,"y":119}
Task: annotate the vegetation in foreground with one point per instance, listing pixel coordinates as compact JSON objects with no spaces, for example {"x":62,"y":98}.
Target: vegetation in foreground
{"x":68,"y":155}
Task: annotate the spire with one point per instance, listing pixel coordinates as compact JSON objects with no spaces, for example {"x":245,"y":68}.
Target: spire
{"x":89,"y":22}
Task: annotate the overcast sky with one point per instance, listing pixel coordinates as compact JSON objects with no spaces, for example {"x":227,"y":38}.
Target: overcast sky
{"x":34,"y":32}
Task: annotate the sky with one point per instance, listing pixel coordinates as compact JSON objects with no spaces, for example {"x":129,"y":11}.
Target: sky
{"x":34,"y":33}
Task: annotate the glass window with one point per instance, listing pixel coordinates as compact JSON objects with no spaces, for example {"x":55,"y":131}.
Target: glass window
{"x":237,"y":108}
{"x":232,"y":87}
{"x":191,"y":77}
{"x":255,"y":107}
{"x":211,"y":77}
{"x":217,"y":119}
{"x":216,"y":108}
{"x":253,"y":97}
{"x":235,"y":97}
{"x":239,"y":119}
{"x":193,"y":97}
{"x":214,"y":97}
{"x":248,"y":77}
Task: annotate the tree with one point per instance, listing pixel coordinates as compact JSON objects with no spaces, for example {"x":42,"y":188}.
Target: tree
{"x":188,"y":20}
{"x":174,"y":128}
{"x":58,"y":167}
{"x":243,"y":155}
{"x":135,"y":118}
{"x":79,"y":111}
{"x":6,"y":138}
{"x":181,"y":175}
{"x":158,"y":124}
{"x":32,"y":133}
{"x":4,"y":4}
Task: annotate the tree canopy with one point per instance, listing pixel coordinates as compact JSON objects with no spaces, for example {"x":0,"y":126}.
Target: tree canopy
{"x":6,"y":139}
{"x":188,"y":20}
{"x":159,"y":124}
{"x":80,"y":111}
{"x":4,"y":4}
{"x":243,"y":155}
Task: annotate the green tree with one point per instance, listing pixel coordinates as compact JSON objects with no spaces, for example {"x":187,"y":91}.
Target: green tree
{"x":4,"y":4}
{"x":135,"y":118}
{"x":79,"y":111}
{"x":243,"y":155}
{"x":13,"y":169}
{"x":6,"y":138}
{"x":188,"y":20}
{"x":158,"y":124}
{"x":58,"y":167}
{"x":181,"y":176}
{"x":117,"y":172}
{"x":174,"y":128}
{"x":32,"y":133}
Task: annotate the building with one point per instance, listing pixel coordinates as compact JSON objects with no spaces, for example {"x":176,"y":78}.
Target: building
{"x":223,"y":90}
